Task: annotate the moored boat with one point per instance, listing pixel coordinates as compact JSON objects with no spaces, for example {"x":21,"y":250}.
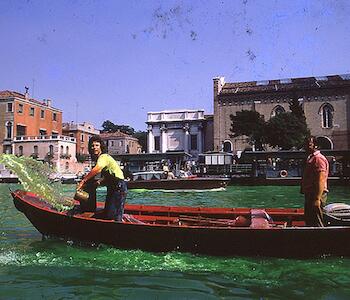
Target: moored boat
{"x":153,"y":180}
{"x":278,"y":232}
{"x":65,"y":178}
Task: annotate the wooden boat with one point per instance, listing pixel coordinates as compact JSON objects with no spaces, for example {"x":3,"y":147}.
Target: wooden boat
{"x":212,"y":231}
{"x":152,"y":180}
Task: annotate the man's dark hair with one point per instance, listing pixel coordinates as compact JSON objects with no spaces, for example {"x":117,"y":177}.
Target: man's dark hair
{"x":96,"y":138}
{"x":313,"y":138}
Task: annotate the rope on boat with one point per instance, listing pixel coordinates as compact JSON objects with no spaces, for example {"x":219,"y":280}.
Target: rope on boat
{"x":207,"y":221}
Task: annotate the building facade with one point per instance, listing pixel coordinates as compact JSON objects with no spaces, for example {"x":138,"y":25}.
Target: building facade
{"x":325,"y":100}
{"x":177,"y":130}
{"x":22,"y":116}
{"x":121,"y":143}
{"x":208,"y":131}
{"x":82,"y":133}
{"x":59,"y":151}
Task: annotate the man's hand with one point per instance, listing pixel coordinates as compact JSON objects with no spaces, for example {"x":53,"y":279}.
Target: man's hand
{"x":317,"y":203}
{"x":81,"y":184}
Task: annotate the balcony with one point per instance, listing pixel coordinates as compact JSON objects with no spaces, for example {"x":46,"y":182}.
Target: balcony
{"x":44,"y":138}
{"x":176,"y":115}
{"x":65,"y":156}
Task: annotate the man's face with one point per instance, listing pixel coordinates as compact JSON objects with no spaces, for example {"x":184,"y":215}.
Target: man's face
{"x":310,"y":146}
{"x":96,"y":148}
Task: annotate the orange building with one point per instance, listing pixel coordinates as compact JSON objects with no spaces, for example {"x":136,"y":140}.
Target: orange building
{"x":21,"y":116}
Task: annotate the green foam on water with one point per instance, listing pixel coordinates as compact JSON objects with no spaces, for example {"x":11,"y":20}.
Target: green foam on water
{"x":140,"y":190}
{"x":34,"y":176}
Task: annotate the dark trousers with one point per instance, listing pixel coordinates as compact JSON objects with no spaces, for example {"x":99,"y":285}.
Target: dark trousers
{"x":314,"y":215}
{"x":90,"y":204}
{"x":115,"y":200}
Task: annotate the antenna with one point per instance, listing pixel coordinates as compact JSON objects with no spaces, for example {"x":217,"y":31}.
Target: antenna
{"x":33,"y":84}
{"x":76,"y":112}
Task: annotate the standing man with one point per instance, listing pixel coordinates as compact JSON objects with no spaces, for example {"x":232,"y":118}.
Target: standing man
{"x":314,"y":183}
{"x":112,"y":177}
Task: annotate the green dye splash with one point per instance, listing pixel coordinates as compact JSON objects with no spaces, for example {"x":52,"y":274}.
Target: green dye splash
{"x":35,"y":177}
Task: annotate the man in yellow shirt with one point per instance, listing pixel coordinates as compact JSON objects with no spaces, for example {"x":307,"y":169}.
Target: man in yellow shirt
{"x":112,"y":177}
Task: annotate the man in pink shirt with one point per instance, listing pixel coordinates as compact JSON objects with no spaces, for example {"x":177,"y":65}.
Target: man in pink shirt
{"x":314,"y":184}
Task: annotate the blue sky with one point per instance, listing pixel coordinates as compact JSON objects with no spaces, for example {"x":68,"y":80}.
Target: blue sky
{"x":117,"y":60}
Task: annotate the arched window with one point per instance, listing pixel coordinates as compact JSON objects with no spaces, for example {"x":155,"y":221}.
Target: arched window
{"x":67,"y":150}
{"x":51,"y":150}
{"x":327,"y":115}
{"x":227,"y":147}
{"x":278,"y":109}
{"x":324,"y":143}
{"x":61,"y":152}
{"x":9,"y":130}
{"x":20,"y":150}
{"x":36,"y":150}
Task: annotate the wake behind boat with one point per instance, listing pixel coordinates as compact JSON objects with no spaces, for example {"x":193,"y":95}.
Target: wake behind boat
{"x":213,"y":231}
{"x":153,"y":180}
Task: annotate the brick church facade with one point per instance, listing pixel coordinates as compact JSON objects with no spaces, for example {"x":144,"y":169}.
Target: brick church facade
{"x":325,"y":100}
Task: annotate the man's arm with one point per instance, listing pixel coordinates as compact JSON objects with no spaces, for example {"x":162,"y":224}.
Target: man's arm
{"x":96,"y":170}
{"x":321,"y":183}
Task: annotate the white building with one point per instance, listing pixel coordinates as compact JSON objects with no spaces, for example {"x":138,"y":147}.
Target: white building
{"x":176,"y":130}
{"x":58,"y":150}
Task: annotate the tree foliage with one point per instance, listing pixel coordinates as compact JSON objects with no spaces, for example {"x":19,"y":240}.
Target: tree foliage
{"x":251,"y":124}
{"x":296,"y":108}
{"x":285,"y":131}
{"x":108,"y":126}
{"x":142,"y":137}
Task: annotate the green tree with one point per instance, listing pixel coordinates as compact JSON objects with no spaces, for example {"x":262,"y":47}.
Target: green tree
{"x":251,"y":124}
{"x":296,"y":108}
{"x":289,"y":129}
{"x":108,"y":126}
{"x":286,"y":130}
{"x":142,"y":137}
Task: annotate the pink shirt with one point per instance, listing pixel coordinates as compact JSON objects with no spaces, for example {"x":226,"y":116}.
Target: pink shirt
{"x":315,"y":164}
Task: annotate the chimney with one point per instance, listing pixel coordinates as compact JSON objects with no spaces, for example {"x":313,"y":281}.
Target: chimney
{"x":219,"y":82}
{"x":26,"y":94}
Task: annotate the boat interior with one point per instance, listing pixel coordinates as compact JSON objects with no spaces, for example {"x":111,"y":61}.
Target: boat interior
{"x":337,"y":214}
{"x":201,"y":217}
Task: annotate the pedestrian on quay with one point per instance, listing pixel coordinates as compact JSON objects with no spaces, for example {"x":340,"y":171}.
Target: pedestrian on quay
{"x":314,"y":183}
{"x":111,"y":176}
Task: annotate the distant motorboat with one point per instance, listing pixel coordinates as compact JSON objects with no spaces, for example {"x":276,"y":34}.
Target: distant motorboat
{"x":6,"y":176}
{"x":154,"y":180}
{"x":10,"y":178}
{"x":66,"y":178}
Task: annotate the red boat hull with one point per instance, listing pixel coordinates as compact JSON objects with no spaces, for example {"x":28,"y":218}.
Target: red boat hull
{"x":164,"y":235}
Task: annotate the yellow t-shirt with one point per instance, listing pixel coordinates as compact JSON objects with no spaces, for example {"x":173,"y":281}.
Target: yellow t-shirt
{"x":108,"y":164}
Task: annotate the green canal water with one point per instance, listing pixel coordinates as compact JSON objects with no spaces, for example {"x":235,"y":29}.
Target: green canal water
{"x":36,"y":269}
